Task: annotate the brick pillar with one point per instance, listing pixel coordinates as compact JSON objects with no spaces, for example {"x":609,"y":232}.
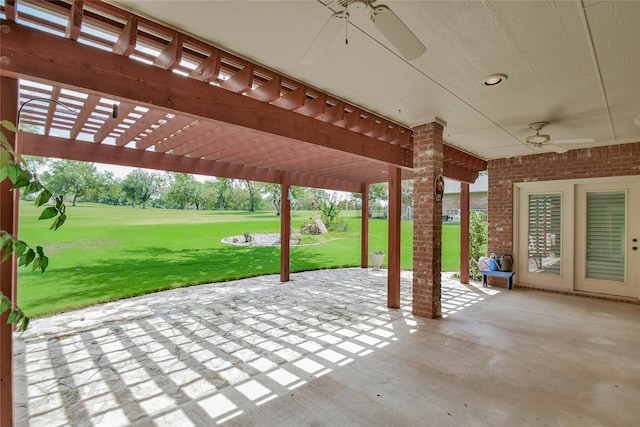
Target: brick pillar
{"x":427,"y":220}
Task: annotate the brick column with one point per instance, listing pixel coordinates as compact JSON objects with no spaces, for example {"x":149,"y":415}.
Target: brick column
{"x":427,"y":220}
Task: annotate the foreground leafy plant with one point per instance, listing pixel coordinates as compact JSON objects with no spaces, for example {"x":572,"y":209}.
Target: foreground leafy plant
{"x":13,"y":167}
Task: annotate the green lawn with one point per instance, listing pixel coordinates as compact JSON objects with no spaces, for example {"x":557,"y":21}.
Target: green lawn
{"x":103,"y":253}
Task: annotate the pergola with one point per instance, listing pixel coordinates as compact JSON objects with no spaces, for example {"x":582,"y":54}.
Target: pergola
{"x":186,"y":106}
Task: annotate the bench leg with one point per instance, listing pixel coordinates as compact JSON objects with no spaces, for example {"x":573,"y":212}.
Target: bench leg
{"x":484,"y":281}
{"x":510,"y":281}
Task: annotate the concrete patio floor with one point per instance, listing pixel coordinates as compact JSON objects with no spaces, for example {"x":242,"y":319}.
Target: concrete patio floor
{"x":324,"y":350}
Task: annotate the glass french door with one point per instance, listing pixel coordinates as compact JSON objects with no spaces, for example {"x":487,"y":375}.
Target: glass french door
{"x":607,"y":255}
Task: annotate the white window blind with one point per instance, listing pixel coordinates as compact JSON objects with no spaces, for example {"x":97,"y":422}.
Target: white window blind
{"x":606,"y":235}
{"x":545,"y":216}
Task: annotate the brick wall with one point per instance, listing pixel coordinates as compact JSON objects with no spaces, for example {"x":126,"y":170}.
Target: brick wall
{"x":427,"y":221}
{"x":614,"y":160}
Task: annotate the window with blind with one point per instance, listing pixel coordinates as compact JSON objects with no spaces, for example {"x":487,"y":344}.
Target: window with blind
{"x":545,"y":233}
{"x":606,"y":232}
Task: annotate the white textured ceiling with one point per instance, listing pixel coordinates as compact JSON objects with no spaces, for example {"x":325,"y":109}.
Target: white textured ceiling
{"x":575,"y":64}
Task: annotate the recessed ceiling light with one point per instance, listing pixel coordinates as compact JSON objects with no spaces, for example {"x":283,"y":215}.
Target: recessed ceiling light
{"x":494,"y":79}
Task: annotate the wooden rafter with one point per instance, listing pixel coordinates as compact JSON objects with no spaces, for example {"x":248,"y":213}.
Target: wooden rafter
{"x":148,"y":119}
{"x":171,"y":55}
{"x":126,"y":43}
{"x":109,"y":125}
{"x":171,"y":126}
{"x":87,"y":109}
{"x":55,"y":94}
{"x":74,"y":25}
{"x":194,"y":130}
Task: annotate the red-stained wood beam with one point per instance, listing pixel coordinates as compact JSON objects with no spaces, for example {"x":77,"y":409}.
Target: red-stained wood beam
{"x":89,"y":105}
{"x":171,"y":55}
{"x":240,"y":81}
{"x":352,"y":120}
{"x":74,"y":25}
{"x":38,"y":55}
{"x":380,"y":129}
{"x":285,"y":226}
{"x":194,"y":130}
{"x":314,"y":107}
{"x":364,"y":236}
{"x":292,"y":100}
{"x":151,"y":117}
{"x":10,"y":10}
{"x":268,"y":91}
{"x":9,"y":112}
{"x":393,"y":134}
{"x":209,"y":69}
{"x":208,"y":138}
{"x":464,"y":233}
{"x":333,"y":113}
{"x":393,"y":251}
{"x":367,"y":125}
{"x":108,"y":126}
{"x":126,"y":43}
{"x":171,"y":127}
{"x":459,"y":173}
{"x":51,"y":146}
{"x":55,"y":94}
{"x":404,"y":139}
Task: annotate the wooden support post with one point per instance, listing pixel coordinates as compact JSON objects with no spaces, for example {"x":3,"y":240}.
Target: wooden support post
{"x":364,"y":237}
{"x":285,"y":226}
{"x":464,"y":232}
{"x":8,"y":220}
{"x":395,"y":207}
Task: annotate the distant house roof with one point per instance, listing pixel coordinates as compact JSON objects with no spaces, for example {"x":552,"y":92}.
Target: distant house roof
{"x":480,"y":186}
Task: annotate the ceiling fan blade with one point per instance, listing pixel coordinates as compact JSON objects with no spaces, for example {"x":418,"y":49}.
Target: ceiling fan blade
{"x":573,"y":141}
{"x":557,"y":149}
{"x":324,"y":38}
{"x":397,"y":33}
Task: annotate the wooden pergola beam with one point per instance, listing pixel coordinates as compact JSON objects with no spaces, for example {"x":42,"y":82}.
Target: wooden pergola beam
{"x":51,"y":146}
{"x":32,"y":53}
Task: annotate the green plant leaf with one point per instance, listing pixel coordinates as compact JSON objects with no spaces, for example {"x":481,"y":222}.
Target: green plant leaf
{"x":29,"y":257}
{"x":24,"y":324}
{"x":23,"y":179}
{"x":9,"y":126}
{"x":36,"y":263}
{"x":3,"y":173}
{"x":8,"y":250}
{"x":19,"y":247}
{"x":13,"y":172}
{"x":33,"y":187}
{"x":43,"y":197}
{"x":5,"y":304}
{"x":14,"y":316}
{"x":44,"y":264}
{"x":5,"y":157}
{"x":49,"y":212}
{"x":40,"y":251}
{"x":58,"y":222}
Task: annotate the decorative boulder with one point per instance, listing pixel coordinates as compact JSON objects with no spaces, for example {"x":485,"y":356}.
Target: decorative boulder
{"x":248,"y":238}
{"x":321,"y":227}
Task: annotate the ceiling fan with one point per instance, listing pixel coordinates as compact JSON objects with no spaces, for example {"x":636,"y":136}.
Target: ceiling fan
{"x":544,"y":141}
{"x":383,"y":18}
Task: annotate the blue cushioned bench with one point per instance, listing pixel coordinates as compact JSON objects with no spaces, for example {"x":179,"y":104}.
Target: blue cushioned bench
{"x":508,"y":274}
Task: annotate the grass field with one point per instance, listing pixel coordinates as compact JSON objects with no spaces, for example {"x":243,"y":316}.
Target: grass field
{"x":103,"y":253}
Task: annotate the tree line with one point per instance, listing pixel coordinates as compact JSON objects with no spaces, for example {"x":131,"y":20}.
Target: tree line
{"x":81,"y":181}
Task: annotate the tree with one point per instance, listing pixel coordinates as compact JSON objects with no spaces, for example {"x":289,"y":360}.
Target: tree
{"x":377,"y":193}
{"x":273,"y":193}
{"x":183,"y":191}
{"x":140,"y":186}
{"x":222,"y":185}
{"x":71,"y":177}
{"x":253,"y":188}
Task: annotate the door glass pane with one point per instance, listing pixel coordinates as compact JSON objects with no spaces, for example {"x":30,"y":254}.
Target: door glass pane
{"x":606,"y":235}
{"x":544,"y":233}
